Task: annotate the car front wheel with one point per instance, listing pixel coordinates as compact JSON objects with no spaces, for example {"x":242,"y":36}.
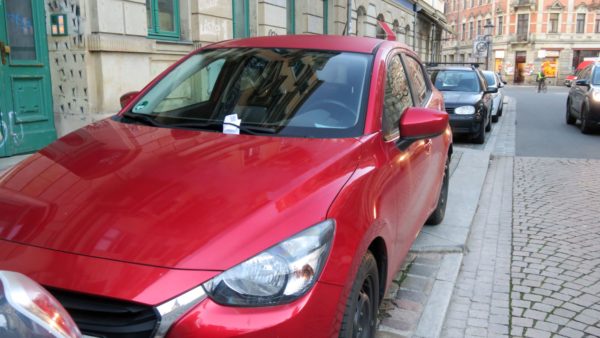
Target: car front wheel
{"x":569,"y":118}
{"x":360,"y":316}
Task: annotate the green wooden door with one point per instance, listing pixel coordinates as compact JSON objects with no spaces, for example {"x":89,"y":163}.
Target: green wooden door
{"x":26,"y":116}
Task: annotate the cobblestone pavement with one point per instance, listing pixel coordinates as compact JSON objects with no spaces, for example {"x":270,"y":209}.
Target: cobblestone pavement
{"x":556,"y":248}
{"x":480,"y":302}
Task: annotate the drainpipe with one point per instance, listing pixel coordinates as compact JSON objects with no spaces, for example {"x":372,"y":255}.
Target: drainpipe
{"x":414,"y":45}
{"x":349,"y":17}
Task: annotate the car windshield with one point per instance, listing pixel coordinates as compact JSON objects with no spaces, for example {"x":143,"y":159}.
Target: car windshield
{"x":490,"y":78}
{"x":286,"y":92}
{"x":596,"y":77}
{"x":455,"y":80}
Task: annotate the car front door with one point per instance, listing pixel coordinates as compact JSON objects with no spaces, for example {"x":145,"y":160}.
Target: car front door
{"x":580,"y":92}
{"x":401,"y":170}
{"x":427,"y":156}
{"x":26,"y":115}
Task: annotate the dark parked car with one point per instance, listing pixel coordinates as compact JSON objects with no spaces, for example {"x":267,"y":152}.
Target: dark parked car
{"x":583,"y":102}
{"x":467,"y":99}
{"x":262,"y":187}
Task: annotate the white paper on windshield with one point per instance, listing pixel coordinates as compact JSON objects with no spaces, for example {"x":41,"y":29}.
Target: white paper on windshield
{"x":231,"y":124}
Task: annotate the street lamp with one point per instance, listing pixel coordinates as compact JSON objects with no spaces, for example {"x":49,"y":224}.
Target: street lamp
{"x":488,"y":29}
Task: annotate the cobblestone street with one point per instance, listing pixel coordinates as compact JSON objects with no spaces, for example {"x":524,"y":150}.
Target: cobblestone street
{"x":556,"y":248}
{"x":532,"y":264}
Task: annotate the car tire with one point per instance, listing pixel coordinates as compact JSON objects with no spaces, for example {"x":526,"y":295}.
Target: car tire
{"x":360,"y":315}
{"x":488,"y":126}
{"x":500,"y":109}
{"x":586,"y":127}
{"x":495,"y":118}
{"x":570,"y":119}
{"x":437,"y":216}
{"x":480,"y":138}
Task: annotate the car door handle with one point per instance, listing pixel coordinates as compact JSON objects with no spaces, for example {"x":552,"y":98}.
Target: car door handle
{"x":4,"y":51}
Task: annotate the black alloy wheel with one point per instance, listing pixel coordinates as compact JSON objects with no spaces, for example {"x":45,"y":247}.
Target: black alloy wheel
{"x":570,"y":119}
{"x":360,"y":316}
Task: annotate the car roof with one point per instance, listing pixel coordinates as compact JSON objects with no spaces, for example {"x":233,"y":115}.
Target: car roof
{"x":316,"y":42}
{"x":453,"y":68}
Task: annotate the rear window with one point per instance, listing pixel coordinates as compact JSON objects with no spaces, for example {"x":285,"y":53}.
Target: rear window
{"x":490,"y":78}
{"x":286,"y":92}
{"x":455,"y":80}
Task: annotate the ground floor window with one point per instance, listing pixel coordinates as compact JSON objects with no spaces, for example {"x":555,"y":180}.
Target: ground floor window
{"x":163,"y":18}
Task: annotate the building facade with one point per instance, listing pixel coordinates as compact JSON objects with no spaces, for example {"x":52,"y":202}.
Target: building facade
{"x":526,"y":35}
{"x":67,"y":62}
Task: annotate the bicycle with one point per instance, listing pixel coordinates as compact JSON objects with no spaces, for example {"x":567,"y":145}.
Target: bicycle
{"x":542,"y":87}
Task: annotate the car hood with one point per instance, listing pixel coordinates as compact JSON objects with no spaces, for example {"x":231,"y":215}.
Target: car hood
{"x":455,"y":99}
{"x":170,"y":197}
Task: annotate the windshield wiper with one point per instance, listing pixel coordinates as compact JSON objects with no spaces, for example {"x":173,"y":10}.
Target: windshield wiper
{"x":252,"y":130}
{"x":144,"y":119}
{"x":150,"y":121}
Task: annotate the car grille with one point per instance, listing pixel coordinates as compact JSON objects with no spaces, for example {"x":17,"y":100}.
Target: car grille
{"x":450,"y":110}
{"x":108,"y":318}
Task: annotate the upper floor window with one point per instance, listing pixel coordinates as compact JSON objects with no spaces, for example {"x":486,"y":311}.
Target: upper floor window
{"x":522,"y":26}
{"x":163,"y":18}
{"x":479,"y":28}
{"x":464,"y":31}
{"x":471,"y":30}
{"x":597,"y":26}
{"x":500,"y":25}
{"x":553,"y":27}
{"x":580,"y":23}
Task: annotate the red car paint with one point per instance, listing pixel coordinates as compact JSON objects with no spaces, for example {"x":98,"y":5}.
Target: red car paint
{"x":144,"y":214}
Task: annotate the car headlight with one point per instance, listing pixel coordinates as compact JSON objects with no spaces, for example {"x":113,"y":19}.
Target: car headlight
{"x":596,"y":95}
{"x":278,"y":275}
{"x":465,"y":110}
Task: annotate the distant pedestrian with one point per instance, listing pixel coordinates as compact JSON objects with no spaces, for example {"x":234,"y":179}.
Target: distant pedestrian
{"x":541,"y":80}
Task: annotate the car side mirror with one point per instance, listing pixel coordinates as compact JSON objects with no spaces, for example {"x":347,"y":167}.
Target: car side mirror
{"x":582,"y":82}
{"x":127,"y":97}
{"x":420,"y":123}
{"x":491,"y":90}
{"x":505,"y":82}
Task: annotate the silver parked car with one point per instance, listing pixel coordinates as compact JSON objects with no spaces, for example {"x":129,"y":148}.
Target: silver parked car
{"x":494,"y":81}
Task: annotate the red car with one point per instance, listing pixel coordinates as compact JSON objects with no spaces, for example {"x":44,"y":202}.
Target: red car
{"x":264,"y":187}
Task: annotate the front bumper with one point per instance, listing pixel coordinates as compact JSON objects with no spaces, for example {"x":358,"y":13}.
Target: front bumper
{"x":465,"y":124}
{"x":316,"y":314}
{"x":594,"y":113}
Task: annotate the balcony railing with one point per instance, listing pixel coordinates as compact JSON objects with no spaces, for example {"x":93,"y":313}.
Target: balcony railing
{"x":518,"y":38}
{"x":523,"y":3}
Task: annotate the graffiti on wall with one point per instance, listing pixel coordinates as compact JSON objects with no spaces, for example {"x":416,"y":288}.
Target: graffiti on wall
{"x":67,"y":63}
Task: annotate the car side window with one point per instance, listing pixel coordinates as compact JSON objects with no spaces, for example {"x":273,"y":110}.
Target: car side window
{"x":417,"y":80}
{"x":397,"y":98}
